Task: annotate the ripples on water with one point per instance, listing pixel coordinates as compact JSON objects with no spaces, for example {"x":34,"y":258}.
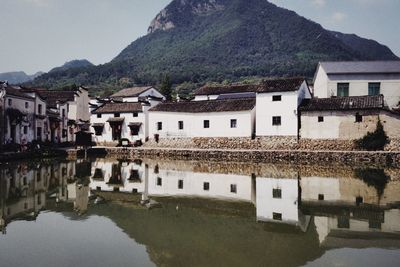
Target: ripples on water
{"x":105,"y":212}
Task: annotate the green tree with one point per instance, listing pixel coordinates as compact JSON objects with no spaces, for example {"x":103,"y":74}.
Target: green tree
{"x":166,"y":87}
{"x":374,"y":140}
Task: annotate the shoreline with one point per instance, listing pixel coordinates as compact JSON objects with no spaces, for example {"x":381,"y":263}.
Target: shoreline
{"x":305,"y":157}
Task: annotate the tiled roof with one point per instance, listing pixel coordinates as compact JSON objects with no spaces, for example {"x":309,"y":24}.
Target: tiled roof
{"x":207,"y":106}
{"x":120,"y":107}
{"x":343,"y":103}
{"x":53,"y":97}
{"x":131,"y":92}
{"x":12,"y":91}
{"x":267,"y":86}
{"x":361,"y":67}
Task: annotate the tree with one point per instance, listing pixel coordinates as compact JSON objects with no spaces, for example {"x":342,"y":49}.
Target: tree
{"x":166,"y":87}
{"x":374,"y":140}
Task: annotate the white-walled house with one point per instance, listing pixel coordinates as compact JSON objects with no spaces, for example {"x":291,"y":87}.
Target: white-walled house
{"x":213,"y":118}
{"x":114,"y":121}
{"x":347,"y":118}
{"x":359,"y":78}
{"x":277,"y":106}
{"x":135,"y":94}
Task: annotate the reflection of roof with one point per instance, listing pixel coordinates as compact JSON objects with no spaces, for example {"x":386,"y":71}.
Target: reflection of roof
{"x":207,"y":106}
{"x":343,"y":103}
{"x":363,"y":67}
{"x":267,"y":86}
{"x":118,"y":119}
{"x":119,"y":107}
{"x":131,"y":92}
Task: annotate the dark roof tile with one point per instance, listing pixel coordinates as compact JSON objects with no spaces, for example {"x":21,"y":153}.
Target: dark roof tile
{"x":363,"y":67}
{"x":343,"y":103}
{"x":267,"y":86}
{"x":207,"y":106}
{"x":131,"y":92}
{"x":124,"y":107}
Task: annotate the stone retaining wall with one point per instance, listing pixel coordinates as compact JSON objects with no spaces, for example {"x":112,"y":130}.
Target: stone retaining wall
{"x":262,"y":143}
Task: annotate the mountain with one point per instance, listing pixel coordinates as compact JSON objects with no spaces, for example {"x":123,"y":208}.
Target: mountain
{"x":77,"y":63}
{"x":196,"y":41}
{"x":18,"y":77}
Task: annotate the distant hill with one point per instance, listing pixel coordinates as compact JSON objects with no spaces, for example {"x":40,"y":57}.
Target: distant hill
{"x":77,"y":63}
{"x":197,"y":41}
{"x":18,"y":77}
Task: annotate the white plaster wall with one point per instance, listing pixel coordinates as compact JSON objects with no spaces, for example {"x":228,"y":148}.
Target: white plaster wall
{"x":311,"y":187}
{"x":326,"y":85}
{"x":126,"y":131}
{"x":220,"y":124}
{"x":205,"y":97}
{"x":193,"y":182}
{"x":19,"y":103}
{"x":267,"y":205}
{"x":287,"y":109}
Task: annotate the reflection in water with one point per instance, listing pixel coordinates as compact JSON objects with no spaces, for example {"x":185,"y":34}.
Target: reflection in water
{"x":230,"y":213}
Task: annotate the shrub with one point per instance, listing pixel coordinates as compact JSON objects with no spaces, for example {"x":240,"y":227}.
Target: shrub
{"x":373,"y":140}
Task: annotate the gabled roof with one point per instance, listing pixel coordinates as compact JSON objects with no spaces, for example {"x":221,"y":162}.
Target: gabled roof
{"x":131,"y":92}
{"x":12,"y":91}
{"x":54,"y":97}
{"x":207,"y":106}
{"x":343,"y":103}
{"x":124,"y":107}
{"x":361,"y":67}
{"x":267,"y":86}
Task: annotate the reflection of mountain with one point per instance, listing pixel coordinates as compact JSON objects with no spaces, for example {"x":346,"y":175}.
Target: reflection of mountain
{"x":217,"y":213}
{"x":191,"y":238}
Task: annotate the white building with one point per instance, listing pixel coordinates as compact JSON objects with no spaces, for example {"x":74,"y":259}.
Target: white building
{"x":359,"y":78}
{"x":135,"y":94}
{"x":277,"y":106}
{"x":347,"y":118}
{"x":213,"y":118}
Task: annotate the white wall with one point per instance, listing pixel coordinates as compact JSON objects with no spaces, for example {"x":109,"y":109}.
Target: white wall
{"x":220,"y":124}
{"x":287,"y":205}
{"x":311,"y":187}
{"x":126,"y":131}
{"x":205,"y":97}
{"x":287,"y":109}
{"x":326,"y":85}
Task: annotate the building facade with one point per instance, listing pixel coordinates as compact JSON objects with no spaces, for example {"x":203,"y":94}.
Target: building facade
{"x":359,"y":79}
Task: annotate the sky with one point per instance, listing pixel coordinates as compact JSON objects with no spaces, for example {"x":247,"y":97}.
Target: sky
{"x":37,"y":35}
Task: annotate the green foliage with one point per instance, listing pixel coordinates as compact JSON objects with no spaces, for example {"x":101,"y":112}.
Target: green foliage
{"x":166,"y":87}
{"x":373,"y":140}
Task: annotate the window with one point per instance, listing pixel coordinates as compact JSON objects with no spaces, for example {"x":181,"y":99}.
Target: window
{"x":321,"y":197}
{"x":233,"y":188}
{"x":159,"y":126}
{"x":276,"y":120}
{"x":63,"y":112}
{"x":359,"y":200}
{"x":206,"y":124}
{"x":276,"y":98}
{"x":135,"y":114}
{"x":25,"y":129}
{"x":343,"y":222}
{"x":206,"y":186}
{"x":64,"y":133}
{"x":159,"y":181}
{"x":98,"y":130}
{"x":40,"y":109}
{"x":117,"y":115}
{"x":320,"y":119}
{"x":374,"y":88}
{"x":233,"y":123}
{"x":180,"y":184}
{"x":9,"y":102}
{"x":358,"y":118}
{"x":343,"y":89}
{"x":39,"y":133}
{"x":277,"y":216}
{"x":277,"y":193}
{"x":99,"y":115}
{"x":26,"y":105}
{"x":180,"y":125}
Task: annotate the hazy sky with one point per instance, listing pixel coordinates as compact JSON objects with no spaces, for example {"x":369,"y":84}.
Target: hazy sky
{"x":41,"y":34}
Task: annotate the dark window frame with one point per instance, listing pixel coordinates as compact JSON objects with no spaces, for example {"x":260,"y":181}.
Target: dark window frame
{"x":206,"y":186}
{"x":277,"y":193}
{"x":233,"y":123}
{"x":234,"y":188}
{"x":374,"y":86}
{"x":159,"y":181}
{"x":276,"y":121}
{"x":277,"y":216}
{"x":343,"y":89}
{"x":180,"y":184}
{"x":135,"y":114}
{"x":358,"y":118}
{"x":159,"y":125}
{"x":206,"y":124}
{"x":99,"y":115}
{"x":180,"y":125}
{"x":276,"y":98}
{"x":320,"y":118}
{"x":117,"y":115}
